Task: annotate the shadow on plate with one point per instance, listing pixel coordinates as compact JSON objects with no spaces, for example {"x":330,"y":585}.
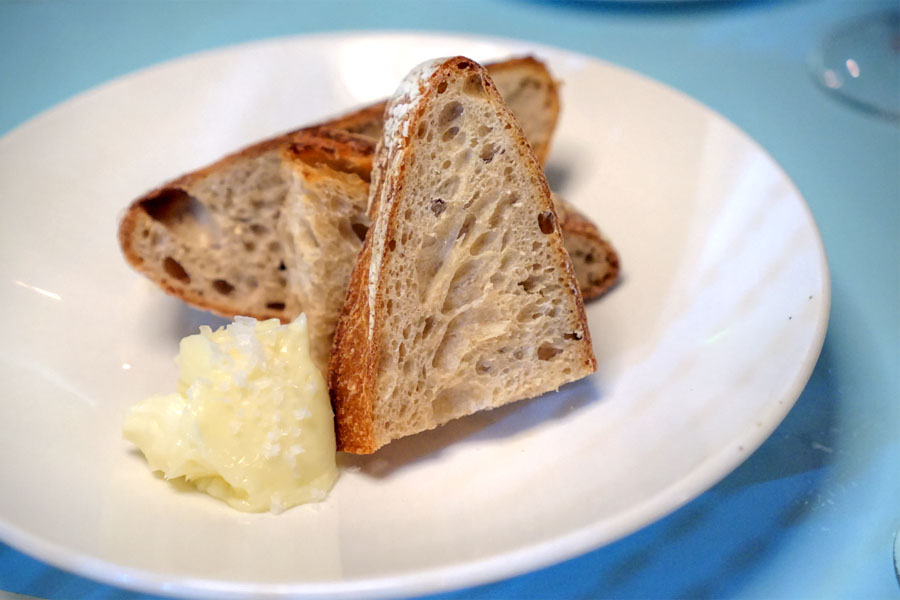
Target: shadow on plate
{"x":558,"y":174}
{"x":188,"y":320}
{"x":500,"y":423}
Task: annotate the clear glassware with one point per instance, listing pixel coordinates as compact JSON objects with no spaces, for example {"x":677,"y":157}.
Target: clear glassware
{"x":860,"y":63}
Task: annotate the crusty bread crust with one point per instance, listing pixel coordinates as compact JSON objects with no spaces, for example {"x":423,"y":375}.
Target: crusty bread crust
{"x":369,"y":120}
{"x":335,"y":148}
{"x":351,"y":374}
{"x":353,"y":370}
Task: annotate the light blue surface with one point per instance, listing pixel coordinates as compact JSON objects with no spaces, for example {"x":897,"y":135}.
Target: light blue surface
{"x":812,"y":513}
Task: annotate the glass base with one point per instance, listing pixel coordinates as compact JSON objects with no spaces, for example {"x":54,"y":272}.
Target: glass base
{"x":860,"y":63}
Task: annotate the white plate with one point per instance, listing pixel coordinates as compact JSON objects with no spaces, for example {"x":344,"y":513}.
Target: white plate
{"x":703,"y":347}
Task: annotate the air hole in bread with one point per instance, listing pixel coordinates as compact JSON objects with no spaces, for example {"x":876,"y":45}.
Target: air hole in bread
{"x":360,"y":230}
{"x":392,"y":245}
{"x":482,"y":242}
{"x":429,"y":325}
{"x":546,"y":351}
{"x":464,"y":157}
{"x":451,"y":112}
{"x":222,"y":286}
{"x":275,"y":247}
{"x":474,"y":85}
{"x":509,"y":199}
{"x":249,"y":245}
{"x":463,"y":65}
{"x":174,"y":270}
{"x":518,"y":355}
{"x":483,"y":130}
{"x":482,"y":367}
{"x":530,"y":283}
{"x":258,"y":229}
{"x":174,"y":206}
{"x":575,"y":335}
{"x":422,"y":130}
{"x":462,"y":289}
{"x":442,"y":87}
{"x":449,"y":135}
{"x":507,"y":235}
{"x":487,"y":152}
{"x":467,"y":224}
{"x":282,"y":266}
{"x":546,"y":222}
{"x":275,"y":305}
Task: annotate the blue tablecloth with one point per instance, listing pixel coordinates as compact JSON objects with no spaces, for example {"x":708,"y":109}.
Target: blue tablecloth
{"x":813,"y":513}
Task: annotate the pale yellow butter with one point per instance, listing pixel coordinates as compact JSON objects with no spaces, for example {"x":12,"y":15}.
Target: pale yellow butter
{"x":251,"y":422}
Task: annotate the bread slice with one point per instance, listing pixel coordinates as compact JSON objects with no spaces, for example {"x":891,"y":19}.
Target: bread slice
{"x":209,"y":237}
{"x":322,"y":226}
{"x":595,"y":260}
{"x":526,"y":86}
{"x":463,"y":297}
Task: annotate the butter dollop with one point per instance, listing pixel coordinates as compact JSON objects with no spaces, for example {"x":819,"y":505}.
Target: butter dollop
{"x":251,"y":422}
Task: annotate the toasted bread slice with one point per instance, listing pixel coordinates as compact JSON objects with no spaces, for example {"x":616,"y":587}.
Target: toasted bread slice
{"x":463,"y":297}
{"x":526,"y":85}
